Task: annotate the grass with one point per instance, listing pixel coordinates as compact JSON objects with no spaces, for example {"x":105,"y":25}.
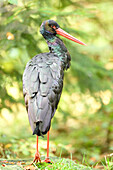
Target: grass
{"x":63,"y":164}
{"x":15,"y":144}
{"x":58,"y":164}
{"x":108,"y":162}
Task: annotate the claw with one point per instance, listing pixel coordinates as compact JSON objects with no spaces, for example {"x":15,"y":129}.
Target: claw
{"x":47,"y":160}
{"x":37,"y":158}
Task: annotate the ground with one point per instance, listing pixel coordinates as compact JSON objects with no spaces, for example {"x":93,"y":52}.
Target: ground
{"x":58,"y":164}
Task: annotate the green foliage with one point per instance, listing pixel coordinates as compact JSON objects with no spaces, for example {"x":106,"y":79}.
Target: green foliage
{"x":13,"y":2}
{"x":85,"y":113}
{"x":63,"y":164}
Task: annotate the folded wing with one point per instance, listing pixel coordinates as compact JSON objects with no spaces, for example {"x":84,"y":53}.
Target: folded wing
{"x":42,"y":87}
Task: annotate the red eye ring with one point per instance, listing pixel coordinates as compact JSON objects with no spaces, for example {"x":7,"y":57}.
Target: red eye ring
{"x":54,"y":27}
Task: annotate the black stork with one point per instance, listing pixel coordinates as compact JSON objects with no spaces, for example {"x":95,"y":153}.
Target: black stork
{"x":43,"y":81}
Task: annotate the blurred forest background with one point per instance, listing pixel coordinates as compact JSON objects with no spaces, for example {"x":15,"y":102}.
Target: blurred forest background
{"x":83,"y":124}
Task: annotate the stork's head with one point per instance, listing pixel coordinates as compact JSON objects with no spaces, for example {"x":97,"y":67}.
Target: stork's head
{"x":51,"y":27}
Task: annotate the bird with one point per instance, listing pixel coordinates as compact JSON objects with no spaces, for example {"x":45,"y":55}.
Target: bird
{"x":43,"y":81}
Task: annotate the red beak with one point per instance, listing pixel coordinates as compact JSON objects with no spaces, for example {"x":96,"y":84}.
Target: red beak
{"x":68,"y":36}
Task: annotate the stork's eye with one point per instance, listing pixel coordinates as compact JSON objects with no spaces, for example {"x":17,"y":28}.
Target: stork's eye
{"x":54,"y":27}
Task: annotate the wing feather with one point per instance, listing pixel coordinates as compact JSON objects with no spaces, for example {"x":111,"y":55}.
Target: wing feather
{"x":42,"y":87}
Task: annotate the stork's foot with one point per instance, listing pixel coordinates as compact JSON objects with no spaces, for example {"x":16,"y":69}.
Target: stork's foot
{"x":47,"y":160}
{"x":37,"y":158}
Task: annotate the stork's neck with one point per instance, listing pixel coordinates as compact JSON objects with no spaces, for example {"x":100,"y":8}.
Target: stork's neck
{"x":57,"y":47}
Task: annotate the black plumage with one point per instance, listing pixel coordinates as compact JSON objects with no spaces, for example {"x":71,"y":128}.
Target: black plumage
{"x":42,"y":87}
{"x":43,"y":78}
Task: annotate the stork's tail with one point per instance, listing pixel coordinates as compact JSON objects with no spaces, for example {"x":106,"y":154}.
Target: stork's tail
{"x":40,"y":114}
{"x":41,"y":128}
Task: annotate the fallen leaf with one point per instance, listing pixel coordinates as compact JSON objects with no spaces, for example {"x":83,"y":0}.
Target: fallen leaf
{"x":8,"y":145}
{"x":3,"y":165}
{"x":23,"y":163}
{"x":93,"y":159}
{"x":29,"y":167}
{"x":5,"y":161}
{"x":11,"y":162}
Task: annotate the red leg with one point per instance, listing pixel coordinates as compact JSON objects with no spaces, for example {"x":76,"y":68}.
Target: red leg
{"x":47,"y":160}
{"x":37,"y":155}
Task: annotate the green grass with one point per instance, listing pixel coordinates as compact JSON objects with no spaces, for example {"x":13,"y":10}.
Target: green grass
{"x":63,"y":164}
{"x":58,"y":164}
{"x":108,"y":162}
